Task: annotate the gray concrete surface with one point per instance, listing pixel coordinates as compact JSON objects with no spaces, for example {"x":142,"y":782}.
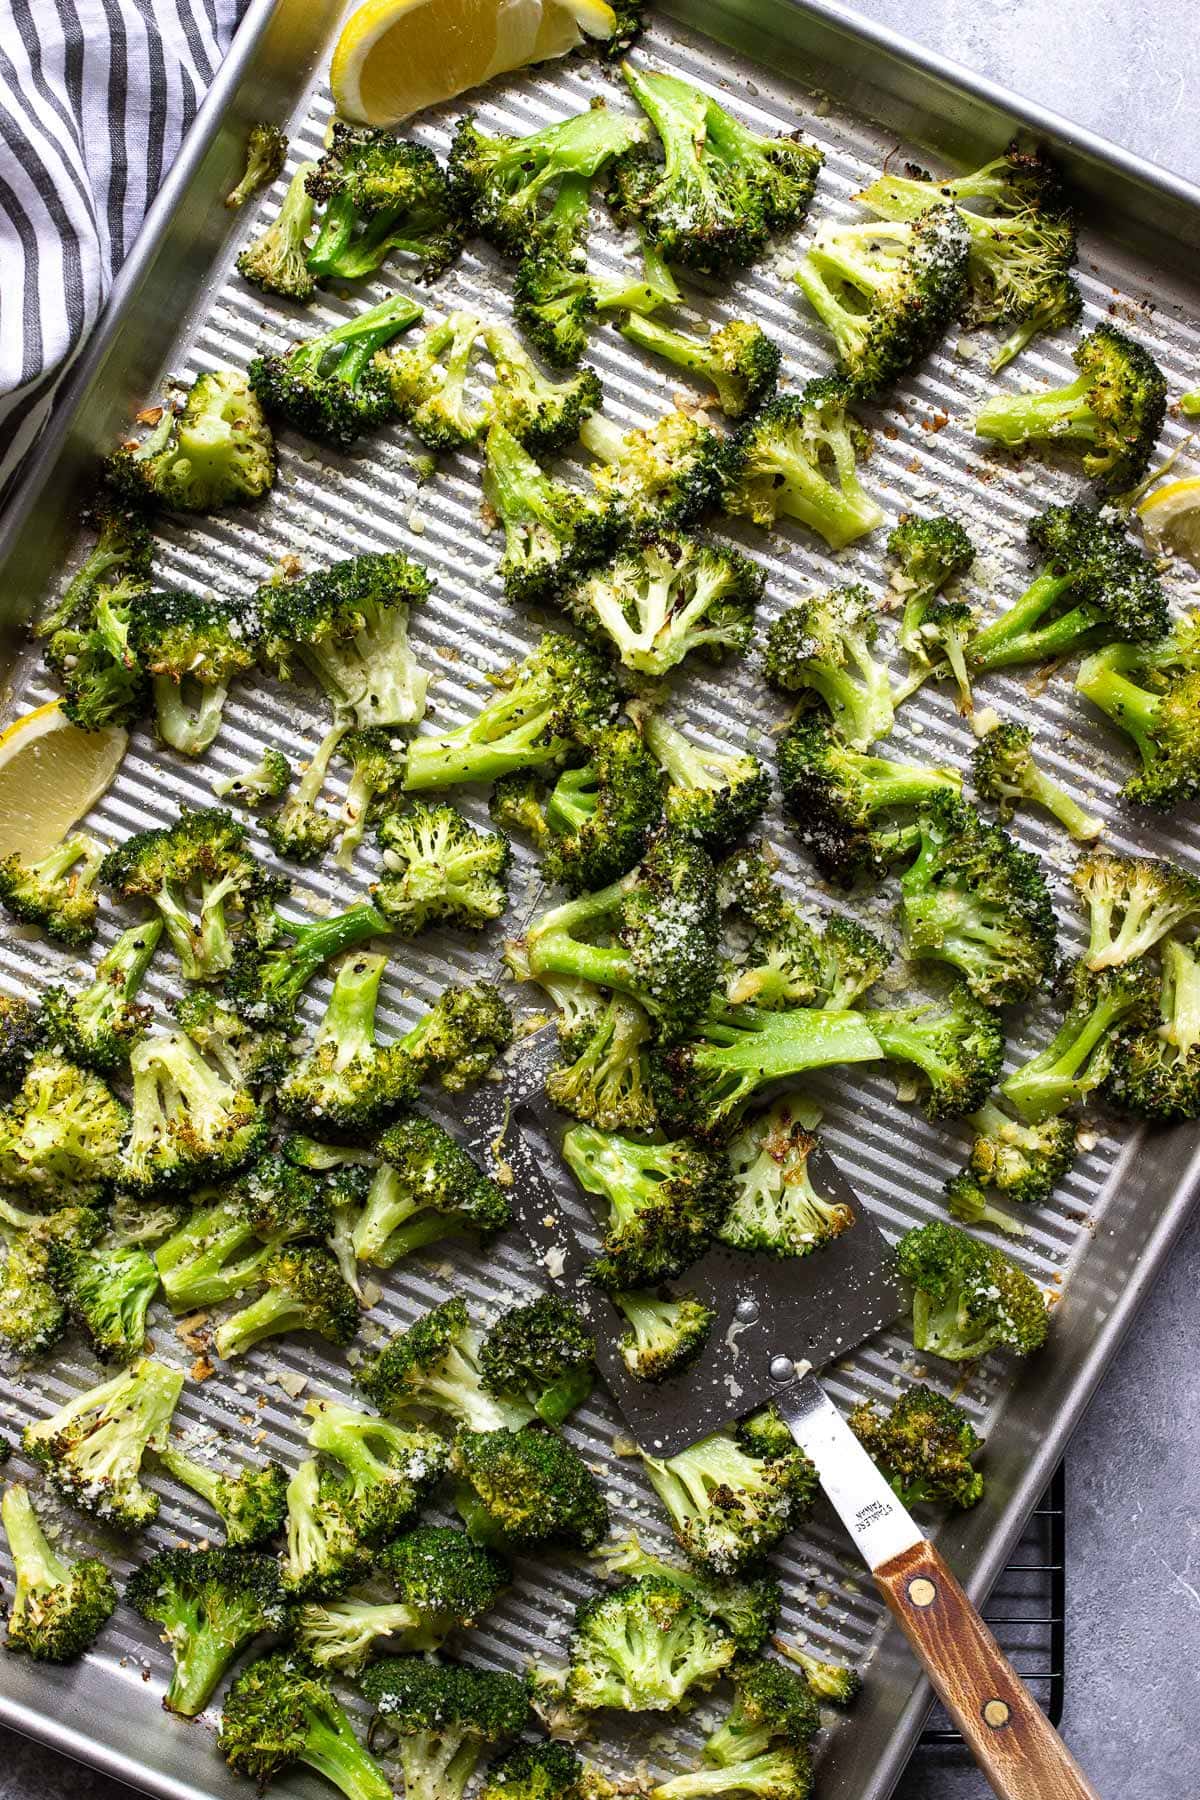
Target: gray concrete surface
{"x":1133,"y":1560}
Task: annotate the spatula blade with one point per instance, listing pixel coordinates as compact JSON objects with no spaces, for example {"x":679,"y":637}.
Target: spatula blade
{"x":810,"y":1311}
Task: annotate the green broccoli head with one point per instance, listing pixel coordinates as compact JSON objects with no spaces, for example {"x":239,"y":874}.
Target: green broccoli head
{"x":1110,"y":415}
{"x":98,"y":1026}
{"x":1007,"y":772}
{"x":279,"y":1712}
{"x":429,"y":382}
{"x":63,"y":1134}
{"x":275,"y":261}
{"x":968,"y":1298}
{"x":604,"y":1078}
{"x":747,"y":1609}
{"x":251,"y":1505}
{"x":737,"y":359}
{"x":266,"y":153}
{"x":660,"y":477}
{"x":324,"y":1555}
{"x":425,"y":1188}
{"x":380,"y":195}
{"x":1099,"y":1008}
{"x":666,"y":1333}
{"x":22,"y":1033}
{"x":107,"y":1290}
{"x":328,"y":386}
{"x":93,"y":659}
{"x":665,"y":1202}
{"x":192,"y":647}
{"x":347,"y":1082}
{"x":776,"y":1207}
{"x":460,"y":1037}
{"x":439,"y":870}
{"x":305,"y":1291}
{"x":58,"y":892}
{"x":798,"y":457}
{"x":669,"y":597}
{"x":210,"y":1605}
{"x":190,"y":1123}
{"x":435,"y":1366}
{"x":531,"y":192}
{"x":825,"y":646}
{"x":600,"y":816}
{"x":446,"y":1717}
{"x":1155,"y":1072}
{"x":525,"y":1489}
{"x":389,"y":1469}
{"x":713,"y":796}
{"x":924,"y":1444}
{"x":1024,"y":1162}
{"x":1151,"y":693}
{"x":58,"y":1607}
{"x":540,"y":1353}
{"x":733,"y":1495}
{"x":552,"y":531}
{"x":91,"y":1449}
{"x":643,"y":1647}
{"x":218,"y":451}
{"x":542,"y":415}
{"x":1133,"y":903}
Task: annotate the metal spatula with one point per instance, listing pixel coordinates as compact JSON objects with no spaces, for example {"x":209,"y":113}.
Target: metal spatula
{"x":778,"y":1323}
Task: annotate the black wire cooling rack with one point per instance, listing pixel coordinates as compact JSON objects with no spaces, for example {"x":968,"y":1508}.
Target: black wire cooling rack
{"x":1027,"y":1610}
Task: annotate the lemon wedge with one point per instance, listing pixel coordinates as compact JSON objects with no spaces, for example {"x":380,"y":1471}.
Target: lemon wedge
{"x":51,"y":773}
{"x":395,"y":57}
{"x":1171,"y":518}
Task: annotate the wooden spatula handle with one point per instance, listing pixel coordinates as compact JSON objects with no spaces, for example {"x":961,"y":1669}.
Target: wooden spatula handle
{"x":1010,"y":1736}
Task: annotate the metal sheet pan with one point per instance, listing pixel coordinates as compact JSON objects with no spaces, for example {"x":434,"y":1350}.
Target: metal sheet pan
{"x":861,"y":93}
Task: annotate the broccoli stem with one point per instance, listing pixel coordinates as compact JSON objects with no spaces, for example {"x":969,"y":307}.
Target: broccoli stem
{"x":515,"y":739}
{"x":1046,"y":793}
{"x":357,"y":340}
{"x":200,"y":1477}
{"x":1134,"y":709}
{"x":271,"y":1315}
{"x":1042,"y":1087}
{"x":391,"y":1224}
{"x":349,"y":1022}
{"x":554,"y":950}
{"x":188,"y":713}
{"x":332,"y":1749}
{"x":638,"y":297}
{"x":1017,"y":637}
{"x":1062,"y":413}
{"x":603,"y":437}
{"x":119,"y":974}
{"x":678,"y":756}
{"x":286,"y":971}
{"x":34,"y":1562}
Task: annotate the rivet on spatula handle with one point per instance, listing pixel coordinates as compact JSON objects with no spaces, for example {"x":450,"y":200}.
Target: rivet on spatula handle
{"x":1012,"y":1740}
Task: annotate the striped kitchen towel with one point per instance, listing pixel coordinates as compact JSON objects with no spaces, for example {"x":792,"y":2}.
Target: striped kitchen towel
{"x":95,"y":96}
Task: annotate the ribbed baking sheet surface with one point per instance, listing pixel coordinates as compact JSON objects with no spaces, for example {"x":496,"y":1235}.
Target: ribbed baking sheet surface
{"x":326,"y":506}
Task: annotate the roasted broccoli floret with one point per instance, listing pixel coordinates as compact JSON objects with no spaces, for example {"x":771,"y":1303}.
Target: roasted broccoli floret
{"x":798,"y":456}
{"x":737,"y":359}
{"x":1081,"y":1052}
{"x":218,"y":451}
{"x":276,"y":261}
{"x":1152,"y":694}
{"x":599,"y":817}
{"x":266,"y":153}
{"x":1110,"y":416}
{"x":502,"y":184}
{"x":210,"y":1605}
{"x":425,"y":1188}
{"x":552,"y":531}
{"x":347,"y":1082}
{"x":443,"y":1581}
{"x":782,"y":961}
{"x":302,"y":829}
{"x":605,"y":1077}
{"x":776,"y":1207}
{"x":928,"y":555}
{"x":93,"y":659}
{"x":435,"y":1365}
{"x":525,"y":1489}
{"x":924,"y":1444}
{"x":222,"y":1249}
{"x":761,"y":1747}
{"x":192,"y":647}
{"x":541,"y":414}
{"x":974,"y":899}
{"x":460,"y":1037}
{"x":379,"y":194}
{"x":259,"y":783}
{"x":1024,"y":1162}
{"x":1094,"y":586}
{"x":704,"y":1086}
{"x":324,"y":1554}
{"x":98,"y":1026}
{"x":968,"y":1298}
{"x":190,"y":1123}
{"x":828,"y":1680}
{"x":825,"y":646}
{"x":328,"y":386}
{"x":62,"y":1135}
{"x":666,"y":597}
{"x":1133,"y":903}
{"x":853,"y":812}
{"x":305,"y":1292}
{"x":545,"y":1770}
{"x":540,"y":1353}
{"x":33,"y":1316}
{"x":348,"y":626}
{"x":91,"y":1449}
{"x":661,"y":921}
{"x":748,"y":1610}
{"x":446,"y":1717}
{"x":246,"y":1057}
{"x":642,"y":1647}
{"x":720,"y":190}
{"x":558,"y":697}
{"x":123,"y":552}
{"x":1022,"y":239}
{"x":203,"y":880}
{"x":554,"y":297}
{"x":58,"y":1607}
{"x":58,"y":892}
{"x":428,"y":383}
{"x":376,"y":754}
{"x":278,"y":1713}
{"x":1008,"y":773}
{"x":389,"y":1469}
{"x":107,"y":1290}
{"x":666,"y":1332}
{"x":22,"y":1033}
{"x":660,"y":477}
{"x":1155,"y":1072}
{"x":666,"y":1202}
{"x":251,"y":1505}
{"x":439,"y":870}
{"x":733,"y":1495}
{"x":886,"y":291}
